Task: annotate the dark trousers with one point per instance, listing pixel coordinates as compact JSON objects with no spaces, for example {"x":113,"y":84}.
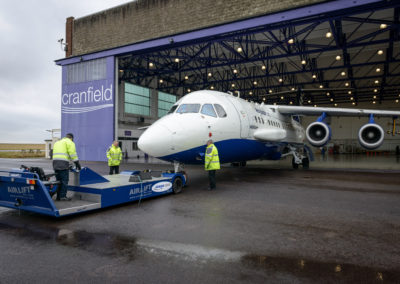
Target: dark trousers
{"x":114,"y":169}
{"x":62,"y":176}
{"x":211,"y":178}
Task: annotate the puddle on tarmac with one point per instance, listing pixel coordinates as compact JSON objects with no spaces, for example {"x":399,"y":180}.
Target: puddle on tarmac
{"x":111,"y":245}
{"x":323,"y":272}
{"x":100,"y":243}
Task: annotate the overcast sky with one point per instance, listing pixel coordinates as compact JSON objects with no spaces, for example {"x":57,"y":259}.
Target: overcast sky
{"x":30,"y":81}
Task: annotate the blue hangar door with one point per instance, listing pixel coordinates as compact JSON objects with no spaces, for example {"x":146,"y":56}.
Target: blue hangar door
{"x":87,"y":106}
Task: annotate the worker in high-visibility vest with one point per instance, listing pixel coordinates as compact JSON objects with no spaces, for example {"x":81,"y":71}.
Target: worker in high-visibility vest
{"x":211,"y":163}
{"x":64,"y":151}
{"x":114,"y":156}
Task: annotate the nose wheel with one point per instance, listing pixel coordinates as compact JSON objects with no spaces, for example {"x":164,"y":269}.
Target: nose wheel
{"x":177,"y":185}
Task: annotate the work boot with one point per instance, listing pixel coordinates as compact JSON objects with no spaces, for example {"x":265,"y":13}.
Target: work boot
{"x":65,"y":199}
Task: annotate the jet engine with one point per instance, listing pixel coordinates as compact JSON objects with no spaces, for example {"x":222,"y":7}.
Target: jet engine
{"x":371,"y":136}
{"x":318,"y":133}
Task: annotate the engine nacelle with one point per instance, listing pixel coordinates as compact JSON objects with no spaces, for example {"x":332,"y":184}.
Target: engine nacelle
{"x":371,"y":136}
{"x":318,"y":133}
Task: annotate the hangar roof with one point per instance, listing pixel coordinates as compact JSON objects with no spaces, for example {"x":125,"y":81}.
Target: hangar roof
{"x":338,"y":52}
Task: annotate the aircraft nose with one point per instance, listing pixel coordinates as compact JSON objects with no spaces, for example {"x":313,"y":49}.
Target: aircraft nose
{"x":156,"y":141}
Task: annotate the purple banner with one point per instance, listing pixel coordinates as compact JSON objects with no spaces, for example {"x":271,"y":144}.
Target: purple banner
{"x":87,"y":110}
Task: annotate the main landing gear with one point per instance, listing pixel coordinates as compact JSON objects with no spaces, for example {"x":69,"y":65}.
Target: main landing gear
{"x":300,"y":157}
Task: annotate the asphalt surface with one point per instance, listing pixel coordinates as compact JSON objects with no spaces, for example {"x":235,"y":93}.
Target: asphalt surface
{"x":261,"y":225}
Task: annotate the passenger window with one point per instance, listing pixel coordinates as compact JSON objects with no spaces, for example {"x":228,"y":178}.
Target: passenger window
{"x":189,"y":108}
{"x":220,"y":110}
{"x":208,"y":109}
{"x":173,"y":108}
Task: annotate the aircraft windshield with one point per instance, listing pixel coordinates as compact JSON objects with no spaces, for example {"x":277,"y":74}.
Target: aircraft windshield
{"x":189,"y":108}
{"x":173,"y":108}
{"x":208,"y":109}
{"x":220,"y":110}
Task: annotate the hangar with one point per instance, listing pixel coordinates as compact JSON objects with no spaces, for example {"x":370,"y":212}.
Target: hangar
{"x":126,"y":66}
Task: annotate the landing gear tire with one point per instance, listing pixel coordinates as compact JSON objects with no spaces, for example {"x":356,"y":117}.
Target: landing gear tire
{"x":295,"y":166}
{"x":177,"y":185}
{"x":242,"y":164}
{"x":306,"y":163}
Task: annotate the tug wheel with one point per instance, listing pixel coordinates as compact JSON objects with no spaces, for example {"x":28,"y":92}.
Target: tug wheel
{"x":177,"y":185}
{"x":306,"y":163}
{"x":295,"y":166}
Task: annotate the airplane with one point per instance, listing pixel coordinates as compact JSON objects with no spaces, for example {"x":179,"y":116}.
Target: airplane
{"x":244,"y":131}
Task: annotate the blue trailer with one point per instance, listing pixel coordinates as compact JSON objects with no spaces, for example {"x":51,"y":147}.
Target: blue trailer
{"x":28,"y":190}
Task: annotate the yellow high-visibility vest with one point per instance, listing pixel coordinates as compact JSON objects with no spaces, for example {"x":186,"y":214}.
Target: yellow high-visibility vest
{"x":114,"y":156}
{"x":64,"y":150}
{"x":211,"y":158}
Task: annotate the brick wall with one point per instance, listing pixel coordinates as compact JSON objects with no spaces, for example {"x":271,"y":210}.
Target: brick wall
{"x":146,"y":19}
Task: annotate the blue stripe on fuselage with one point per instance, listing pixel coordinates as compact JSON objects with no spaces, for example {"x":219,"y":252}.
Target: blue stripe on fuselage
{"x":229,"y":151}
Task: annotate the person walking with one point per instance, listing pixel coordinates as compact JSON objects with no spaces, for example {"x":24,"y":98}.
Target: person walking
{"x":64,"y":151}
{"x":211,"y":163}
{"x":114,"y":156}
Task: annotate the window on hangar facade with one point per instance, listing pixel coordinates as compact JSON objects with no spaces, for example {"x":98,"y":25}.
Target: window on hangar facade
{"x":137,"y":99}
{"x":165,"y":102}
{"x":87,"y":71}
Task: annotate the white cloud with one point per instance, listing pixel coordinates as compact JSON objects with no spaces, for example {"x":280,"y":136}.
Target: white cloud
{"x":30,"y":81}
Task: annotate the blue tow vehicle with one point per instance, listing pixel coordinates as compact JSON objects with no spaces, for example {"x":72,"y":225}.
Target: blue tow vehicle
{"x":31,"y":190}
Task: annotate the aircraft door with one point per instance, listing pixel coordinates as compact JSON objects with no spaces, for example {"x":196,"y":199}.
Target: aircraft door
{"x":243,"y":116}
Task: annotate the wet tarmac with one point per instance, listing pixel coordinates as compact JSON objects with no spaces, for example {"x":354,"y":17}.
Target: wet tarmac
{"x":265,"y":223}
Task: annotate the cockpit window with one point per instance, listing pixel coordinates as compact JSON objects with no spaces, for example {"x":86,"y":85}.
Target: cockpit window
{"x":220,"y":110}
{"x":189,"y":108}
{"x":173,"y":108}
{"x":208,"y":109}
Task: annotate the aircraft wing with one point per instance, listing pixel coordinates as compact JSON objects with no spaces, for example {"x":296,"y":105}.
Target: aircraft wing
{"x":303,"y":110}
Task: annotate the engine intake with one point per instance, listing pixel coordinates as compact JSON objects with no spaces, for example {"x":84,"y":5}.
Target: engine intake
{"x":371,"y":136}
{"x":318,"y":133}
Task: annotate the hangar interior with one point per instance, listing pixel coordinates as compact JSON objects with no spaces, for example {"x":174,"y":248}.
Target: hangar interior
{"x":320,"y":53}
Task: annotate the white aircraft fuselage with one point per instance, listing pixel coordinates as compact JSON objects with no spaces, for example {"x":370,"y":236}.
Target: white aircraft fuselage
{"x":240,"y":130}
